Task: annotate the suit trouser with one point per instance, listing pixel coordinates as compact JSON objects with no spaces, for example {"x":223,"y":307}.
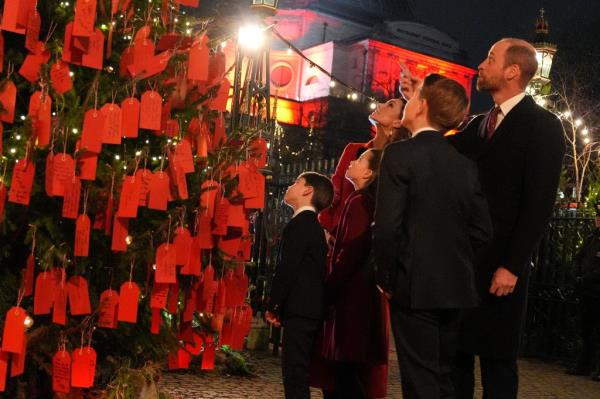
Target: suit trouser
{"x":298,"y":340}
{"x":426,"y":342}
{"x":499,"y":377}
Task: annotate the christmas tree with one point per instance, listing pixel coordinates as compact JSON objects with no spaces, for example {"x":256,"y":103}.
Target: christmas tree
{"x":124,"y":203}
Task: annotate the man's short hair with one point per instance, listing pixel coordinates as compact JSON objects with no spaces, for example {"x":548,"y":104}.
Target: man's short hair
{"x":521,"y":53}
{"x":447,"y":101}
{"x":322,"y":189}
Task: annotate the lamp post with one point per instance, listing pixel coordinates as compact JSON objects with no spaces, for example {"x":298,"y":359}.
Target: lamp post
{"x":540,"y":85}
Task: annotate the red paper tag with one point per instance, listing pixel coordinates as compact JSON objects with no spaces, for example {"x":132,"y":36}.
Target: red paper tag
{"x":30,"y":68}
{"x":49,"y":176}
{"x":130,"y":197}
{"x":150,"y":110}
{"x":209,"y":191}
{"x":129,"y":297}
{"x":145,"y":177}
{"x":155,"y":323}
{"x":221,"y":216}
{"x":205,"y":232}
{"x":166,"y":269}
{"x":173,"y":303}
{"x":85,"y":18}
{"x":208,"y":358}
{"x":219,"y":103}
{"x":79,"y":296}
{"x":156,"y":65}
{"x":259,"y":152}
{"x":87,"y":163}
{"x":143,"y":54}
{"x":32,"y":36}
{"x":82,"y":236}
{"x":193,"y":265}
{"x":59,"y":310}
{"x":160,"y":292}
{"x":126,"y":61}
{"x":209,"y":289}
{"x":130,"y":117}
{"x":246,"y":178}
{"x":40,"y":108}
{"x":184,"y":157}
{"x":119,"y":242}
{"x":237,"y":216}
{"x":257,"y":202}
{"x":109,"y":302}
{"x":183,"y":244}
{"x":13,"y":336}
{"x":219,"y":135}
{"x":72,"y":198}
{"x":22,"y":182}
{"x":61,"y":372}
{"x":8,"y":98}
{"x":2,"y":200}
{"x":44,"y":293}
{"x":17,"y":363}
{"x":60,"y":77}
{"x":181,"y":182}
{"x":198,"y":60}
{"x":29,"y":276}
{"x":216,"y":68}
{"x":63,"y":170}
{"x":83,"y":368}
{"x":111,"y":133}
{"x":95,"y":55}
{"x":10,"y":16}
{"x":91,"y":137}
{"x":188,"y":3}
{"x":159,"y":191}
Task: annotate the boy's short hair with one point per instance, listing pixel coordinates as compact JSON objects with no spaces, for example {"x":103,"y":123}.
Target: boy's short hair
{"x":322,"y":189}
{"x":447,"y":101}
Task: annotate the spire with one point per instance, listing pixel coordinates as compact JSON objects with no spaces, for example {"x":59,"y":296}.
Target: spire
{"x":541,"y":28}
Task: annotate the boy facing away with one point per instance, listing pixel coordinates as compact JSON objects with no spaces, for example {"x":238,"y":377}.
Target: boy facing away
{"x":297,"y":290}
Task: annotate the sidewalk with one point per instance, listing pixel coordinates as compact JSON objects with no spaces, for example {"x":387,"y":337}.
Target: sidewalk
{"x":538,"y":381}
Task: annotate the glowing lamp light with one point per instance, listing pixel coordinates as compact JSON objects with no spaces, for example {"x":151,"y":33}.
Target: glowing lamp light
{"x":567,"y":114}
{"x":28,"y":322}
{"x":332,"y":83}
{"x":251,"y":37}
{"x":373,"y":106}
{"x":585,"y":131}
{"x":586,"y":140}
{"x":578,"y":122}
{"x":354,"y":96}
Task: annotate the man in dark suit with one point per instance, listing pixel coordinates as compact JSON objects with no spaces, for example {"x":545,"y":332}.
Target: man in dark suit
{"x":518,"y":147}
{"x":297,"y":290}
{"x":430,"y":220}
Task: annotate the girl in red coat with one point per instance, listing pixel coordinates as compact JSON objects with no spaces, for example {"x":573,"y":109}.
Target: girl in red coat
{"x":356,"y":333}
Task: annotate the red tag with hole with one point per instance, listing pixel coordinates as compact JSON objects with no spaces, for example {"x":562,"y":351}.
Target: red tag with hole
{"x":13,"y":337}
{"x":2,"y":200}
{"x":158,"y":196}
{"x":111,"y":134}
{"x":193,"y":265}
{"x":143,"y":55}
{"x":29,"y":276}
{"x":85,"y":18}
{"x":183,"y":244}
{"x":83,"y":367}
{"x":158,"y":299}
{"x":208,"y":193}
{"x":43,"y":294}
{"x":8,"y":98}
{"x":246,"y":179}
{"x":40,"y":111}
{"x":10,"y":16}
{"x":91,"y":137}
{"x":184,"y":157}
{"x":79,"y":296}
{"x":82,"y":236}
{"x":257,"y":202}
{"x":88,"y":163}
{"x":109,"y":303}
{"x":34,"y":23}
{"x":61,"y":372}
{"x":221,"y":216}
{"x":119,"y":242}
{"x":22,"y":182}
{"x":70,"y":52}
{"x":130,"y":114}
{"x":59,"y":310}
{"x":60,"y":77}
{"x":95,"y":55}
{"x":72,"y":198}
{"x":205,"y":232}
{"x":150,"y":110}
{"x":30,"y":68}
{"x":63,"y":171}
{"x":130,"y":197}
{"x":166,"y":269}
{"x":129,"y":298}
{"x":198,"y":60}
{"x":259,"y":152}
{"x":145,"y":177}
{"x":219,"y":102}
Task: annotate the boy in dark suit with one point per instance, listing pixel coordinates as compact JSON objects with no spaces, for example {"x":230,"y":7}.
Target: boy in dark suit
{"x":430,"y":221}
{"x":297,"y":289}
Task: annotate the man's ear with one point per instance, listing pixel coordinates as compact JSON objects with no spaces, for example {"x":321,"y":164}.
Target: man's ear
{"x":308,"y":190}
{"x":512,"y":72}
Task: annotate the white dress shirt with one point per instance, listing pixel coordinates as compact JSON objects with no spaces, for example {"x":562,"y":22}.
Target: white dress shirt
{"x":507,"y":106}
{"x":424,"y":129}
{"x":304,"y":208}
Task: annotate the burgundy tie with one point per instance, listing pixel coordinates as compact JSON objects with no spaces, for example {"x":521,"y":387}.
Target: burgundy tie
{"x":491,"y":123}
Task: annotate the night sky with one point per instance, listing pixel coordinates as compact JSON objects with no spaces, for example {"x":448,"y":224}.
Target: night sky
{"x":476,"y":24}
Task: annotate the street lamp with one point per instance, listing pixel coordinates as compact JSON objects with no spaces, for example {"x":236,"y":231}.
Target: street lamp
{"x":545,"y":51}
{"x":267,"y":6}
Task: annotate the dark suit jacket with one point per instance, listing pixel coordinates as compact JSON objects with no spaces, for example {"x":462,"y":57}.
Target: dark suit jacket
{"x":519,"y":169}
{"x":430,"y":219}
{"x":297,"y":288}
